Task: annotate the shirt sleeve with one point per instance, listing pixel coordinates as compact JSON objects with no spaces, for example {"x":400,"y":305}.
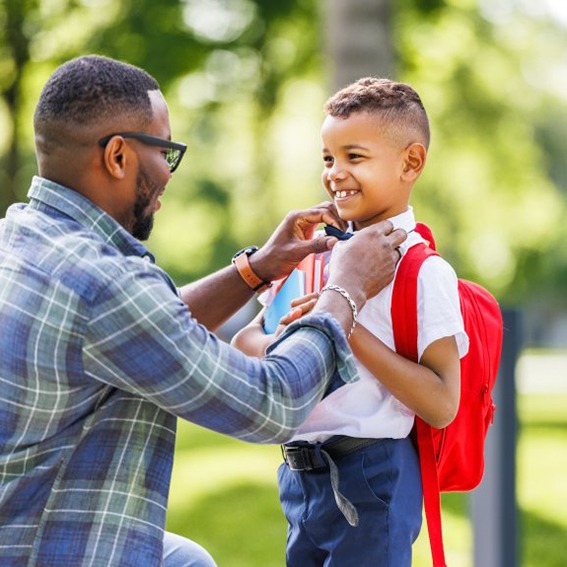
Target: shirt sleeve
{"x":141,"y":338}
{"x":439,"y":311}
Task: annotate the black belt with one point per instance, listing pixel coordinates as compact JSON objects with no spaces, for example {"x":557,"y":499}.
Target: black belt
{"x":304,"y":456}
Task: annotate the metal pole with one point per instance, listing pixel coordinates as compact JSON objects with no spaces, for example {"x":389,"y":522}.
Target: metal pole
{"x":493,"y":503}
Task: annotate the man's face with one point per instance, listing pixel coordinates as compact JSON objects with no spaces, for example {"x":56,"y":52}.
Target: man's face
{"x":153,"y":173}
{"x":146,"y":193}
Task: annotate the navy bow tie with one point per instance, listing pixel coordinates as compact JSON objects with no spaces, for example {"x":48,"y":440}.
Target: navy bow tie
{"x":337,"y":233}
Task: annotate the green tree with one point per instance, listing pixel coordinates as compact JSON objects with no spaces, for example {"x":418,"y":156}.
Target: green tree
{"x":14,"y":55}
{"x":221,"y":63}
{"x":486,"y":181}
{"x":487,"y":177}
{"x":246,"y":81}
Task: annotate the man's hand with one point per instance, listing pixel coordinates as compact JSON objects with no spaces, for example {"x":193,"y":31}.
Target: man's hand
{"x":293,"y":240}
{"x":366,"y":263}
{"x":213,"y":299}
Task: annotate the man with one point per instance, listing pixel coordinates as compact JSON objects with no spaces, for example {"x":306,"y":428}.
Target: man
{"x":100,"y":353}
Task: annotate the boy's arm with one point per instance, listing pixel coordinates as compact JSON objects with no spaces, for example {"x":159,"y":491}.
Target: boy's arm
{"x":252,"y":340}
{"x":431,"y":388}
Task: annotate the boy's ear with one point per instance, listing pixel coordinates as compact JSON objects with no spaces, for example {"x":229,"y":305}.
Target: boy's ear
{"x":414,"y":161}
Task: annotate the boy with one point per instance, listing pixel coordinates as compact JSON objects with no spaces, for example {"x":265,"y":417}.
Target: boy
{"x":350,"y":487}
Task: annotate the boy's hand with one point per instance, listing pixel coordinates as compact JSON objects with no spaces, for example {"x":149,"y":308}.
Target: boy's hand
{"x":300,"y":306}
{"x":293,"y":240}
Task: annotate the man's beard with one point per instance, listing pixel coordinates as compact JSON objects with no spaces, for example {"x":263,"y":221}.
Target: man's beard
{"x":143,"y":221}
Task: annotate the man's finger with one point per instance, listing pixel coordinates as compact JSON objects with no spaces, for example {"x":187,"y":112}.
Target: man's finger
{"x":397,"y":237}
{"x":321,"y":244}
{"x":384,"y":227}
{"x":324,"y":212}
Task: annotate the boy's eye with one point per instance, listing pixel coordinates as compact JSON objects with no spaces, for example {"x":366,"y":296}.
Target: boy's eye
{"x":354,"y":156}
{"x":328,"y":160}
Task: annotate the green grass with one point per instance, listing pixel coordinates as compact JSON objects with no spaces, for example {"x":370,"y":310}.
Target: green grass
{"x":224,"y":495}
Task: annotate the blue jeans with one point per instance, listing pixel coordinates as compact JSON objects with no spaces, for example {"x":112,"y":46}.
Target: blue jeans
{"x":382,"y":481}
{"x":182,"y":552}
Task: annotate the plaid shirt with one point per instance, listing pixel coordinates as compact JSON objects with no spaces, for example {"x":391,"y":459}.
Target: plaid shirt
{"x":98,"y":356}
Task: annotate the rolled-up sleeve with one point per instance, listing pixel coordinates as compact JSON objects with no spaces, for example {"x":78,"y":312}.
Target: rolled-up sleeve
{"x":141,"y":338}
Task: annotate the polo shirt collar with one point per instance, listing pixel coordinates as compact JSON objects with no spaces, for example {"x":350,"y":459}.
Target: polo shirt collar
{"x":405,"y":220}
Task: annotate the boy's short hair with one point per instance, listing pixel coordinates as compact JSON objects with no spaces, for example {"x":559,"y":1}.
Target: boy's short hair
{"x":398,"y":104}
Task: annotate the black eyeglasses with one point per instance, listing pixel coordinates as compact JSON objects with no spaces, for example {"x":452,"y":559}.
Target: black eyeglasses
{"x":174,"y":153}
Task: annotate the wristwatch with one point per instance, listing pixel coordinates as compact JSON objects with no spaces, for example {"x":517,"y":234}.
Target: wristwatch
{"x":240,"y":260}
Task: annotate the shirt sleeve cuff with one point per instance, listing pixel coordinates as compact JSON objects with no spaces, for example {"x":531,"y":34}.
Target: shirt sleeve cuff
{"x":329,"y":329}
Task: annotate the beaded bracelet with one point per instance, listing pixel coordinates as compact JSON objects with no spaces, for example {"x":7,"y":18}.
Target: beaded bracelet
{"x":352,"y":304}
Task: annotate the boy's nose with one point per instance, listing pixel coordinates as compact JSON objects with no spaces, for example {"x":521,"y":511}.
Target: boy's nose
{"x":336,"y":172}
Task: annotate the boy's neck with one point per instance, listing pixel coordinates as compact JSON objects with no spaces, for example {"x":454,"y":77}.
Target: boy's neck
{"x":396,"y":212}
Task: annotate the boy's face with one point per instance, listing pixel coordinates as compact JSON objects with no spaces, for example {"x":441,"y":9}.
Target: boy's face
{"x":363,"y":169}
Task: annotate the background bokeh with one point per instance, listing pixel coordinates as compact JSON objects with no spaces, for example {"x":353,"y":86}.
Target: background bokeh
{"x":246,"y":81}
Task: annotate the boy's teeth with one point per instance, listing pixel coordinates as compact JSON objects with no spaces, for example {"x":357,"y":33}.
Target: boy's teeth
{"x":343,"y":194}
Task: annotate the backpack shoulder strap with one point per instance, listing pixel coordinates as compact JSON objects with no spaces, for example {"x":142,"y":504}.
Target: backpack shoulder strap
{"x":431,"y":492}
{"x":405,"y":325}
{"x":404,"y":300}
{"x":425,"y":232}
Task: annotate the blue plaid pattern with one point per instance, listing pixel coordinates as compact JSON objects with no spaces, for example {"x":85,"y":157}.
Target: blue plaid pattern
{"x":98,"y":357}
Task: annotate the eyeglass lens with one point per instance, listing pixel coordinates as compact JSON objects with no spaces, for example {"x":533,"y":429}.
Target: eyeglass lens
{"x":172,"y":157}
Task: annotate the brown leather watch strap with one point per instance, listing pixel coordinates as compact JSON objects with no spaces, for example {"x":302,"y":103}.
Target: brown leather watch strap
{"x":242,"y":264}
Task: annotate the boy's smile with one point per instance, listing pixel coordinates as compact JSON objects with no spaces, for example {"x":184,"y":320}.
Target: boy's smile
{"x":340,"y":195}
{"x":364,"y":168}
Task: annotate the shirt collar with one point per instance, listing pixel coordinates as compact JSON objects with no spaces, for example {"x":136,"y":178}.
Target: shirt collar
{"x":49,"y":196}
{"x":405,"y":220}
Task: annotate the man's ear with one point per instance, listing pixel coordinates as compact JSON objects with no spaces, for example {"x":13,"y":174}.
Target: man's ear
{"x":116,"y":156}
{"x":414,"y":161}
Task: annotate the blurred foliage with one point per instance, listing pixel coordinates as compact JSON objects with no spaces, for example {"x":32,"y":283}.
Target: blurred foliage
{"x":487,"y":188}
{"x":223,"y":65}
{"x":245,"y":81}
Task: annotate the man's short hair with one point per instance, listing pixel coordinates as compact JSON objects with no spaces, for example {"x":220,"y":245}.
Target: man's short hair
{"x":398,"y":104}
{"x":92,"y":89}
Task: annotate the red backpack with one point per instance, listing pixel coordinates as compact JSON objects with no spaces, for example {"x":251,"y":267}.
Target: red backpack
{"x":451,"y":459}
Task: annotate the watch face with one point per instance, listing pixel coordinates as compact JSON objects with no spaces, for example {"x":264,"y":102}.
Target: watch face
{"x":248,"y":250}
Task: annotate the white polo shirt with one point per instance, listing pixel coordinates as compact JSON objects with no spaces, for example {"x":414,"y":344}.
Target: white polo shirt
{"x":366,"y":408}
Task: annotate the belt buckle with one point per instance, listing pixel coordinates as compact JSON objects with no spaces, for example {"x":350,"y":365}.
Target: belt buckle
{"x":303,"y":457}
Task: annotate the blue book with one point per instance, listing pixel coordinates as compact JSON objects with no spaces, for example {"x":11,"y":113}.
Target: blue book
{"x":294,"y":286}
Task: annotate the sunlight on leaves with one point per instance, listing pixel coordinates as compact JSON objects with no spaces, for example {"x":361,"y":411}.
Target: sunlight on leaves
{"x":64,"y":29}
{"x":182,"y":236}
{"x":218,"y":20}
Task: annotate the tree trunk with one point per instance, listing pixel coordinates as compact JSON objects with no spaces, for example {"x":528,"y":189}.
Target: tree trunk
{"x":358,"y":42}
{"x":17,"y":46}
